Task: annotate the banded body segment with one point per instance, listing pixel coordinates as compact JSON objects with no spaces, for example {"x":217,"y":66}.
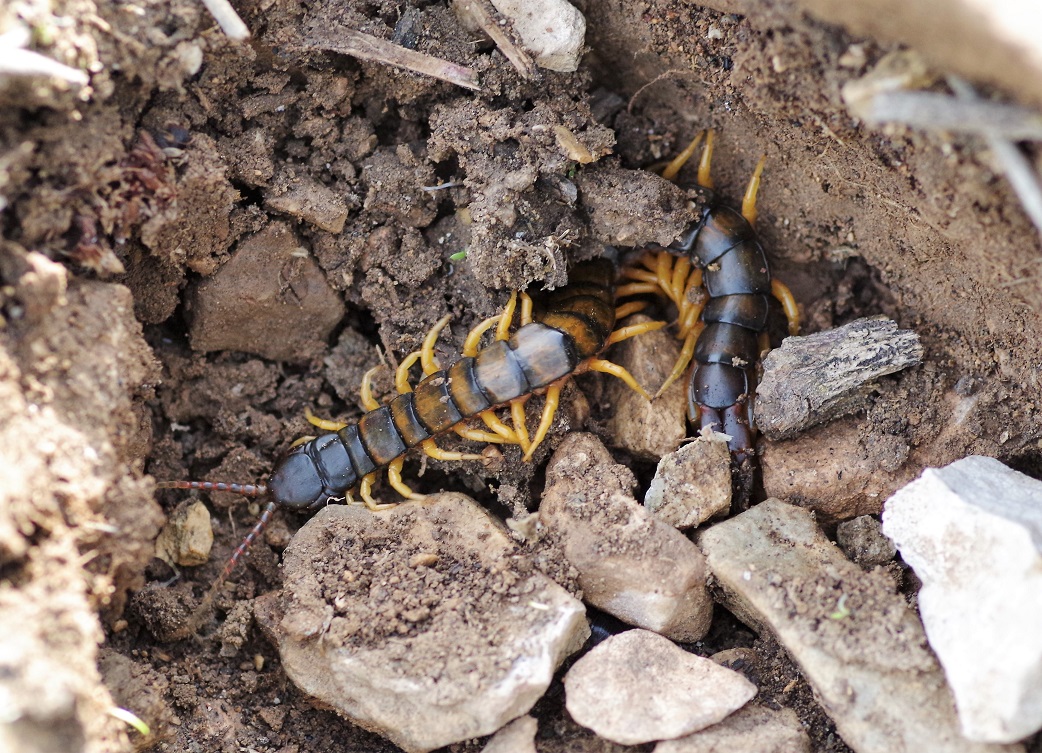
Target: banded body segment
{"x":737,"y":280}
{"x":575,"y":326}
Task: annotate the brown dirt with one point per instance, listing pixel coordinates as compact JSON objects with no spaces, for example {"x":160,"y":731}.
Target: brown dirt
{"x":189,"y":146}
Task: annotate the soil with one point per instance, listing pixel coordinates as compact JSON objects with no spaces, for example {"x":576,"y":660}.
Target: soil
{"x":136,"y":342}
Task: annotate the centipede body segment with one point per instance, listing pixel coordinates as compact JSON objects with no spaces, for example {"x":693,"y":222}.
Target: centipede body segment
{"x":725,"y":332}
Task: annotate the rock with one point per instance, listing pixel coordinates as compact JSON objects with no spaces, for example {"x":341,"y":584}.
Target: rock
{"x":692,"y":484}
{"x":996,"y":42}
{"x":862,"y":540}
{"x":516,"y":737}
{"x":306,"y":199}
{"x":630,"y":565}
{"x":752,"y":728}
{"x":553,"y":31}
{"x":856,"y":641}
{"x":421,"y":623}
{"x":271,"y":299}
{"x":840,"y":471}
{"x":814,"y":379}
{"x":187,"y":538}
{"x":972,"y":531}
{"x":637,"y":687}
{"x":647,"y":429}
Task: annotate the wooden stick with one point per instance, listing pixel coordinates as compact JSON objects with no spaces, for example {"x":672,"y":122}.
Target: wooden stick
{"x":367,"y":47}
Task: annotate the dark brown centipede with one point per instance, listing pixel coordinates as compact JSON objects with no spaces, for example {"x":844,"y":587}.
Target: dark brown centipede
{"x":724,"y":332}
{"x":575,"y":327}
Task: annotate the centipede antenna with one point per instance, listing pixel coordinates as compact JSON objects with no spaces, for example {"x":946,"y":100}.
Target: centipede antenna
{"x":244,"y":490}
{"x":200,"y":613}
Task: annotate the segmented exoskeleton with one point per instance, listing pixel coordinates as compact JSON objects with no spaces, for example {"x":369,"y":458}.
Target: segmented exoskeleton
{"x":575,"y":326}
{"x":724,"y":330}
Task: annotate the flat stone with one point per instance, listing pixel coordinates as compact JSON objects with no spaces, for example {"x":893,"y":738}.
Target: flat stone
{"x":751,"y":728}
{"x":692,"y":484}
{"x":972,"y":531}
{"x":630,"y":564}
{"x":271,"y":299}
{"x":422,"y":623}
{"x":637,"y":687}
{"x":516,"y":737}
{"x":553,"y":31}
{"x":647,"y":429}
{"x":857,"y":642}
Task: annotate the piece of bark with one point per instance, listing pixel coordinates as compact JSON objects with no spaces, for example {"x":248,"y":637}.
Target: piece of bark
{"x":812,"y":380}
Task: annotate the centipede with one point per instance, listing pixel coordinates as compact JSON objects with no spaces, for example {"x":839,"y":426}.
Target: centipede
{"x":724,"y":330}
{"x":564,"y":338}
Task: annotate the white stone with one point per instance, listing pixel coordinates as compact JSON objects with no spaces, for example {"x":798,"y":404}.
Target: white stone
{"x":972,"y":531}
{"x":553,"y":31}
{"x":630,"y":565}
{"x":859,"y":645}
{"x":752,"y":729}
{"x":422,"y":623}
{"x":637,"y":687}
{"x":516,"y":737}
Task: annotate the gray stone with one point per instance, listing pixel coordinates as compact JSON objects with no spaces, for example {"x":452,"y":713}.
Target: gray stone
{"x":631,"y":565}
{"x":422,"y":623}
{"x":637,"y":687}
{"x":858,"y":644}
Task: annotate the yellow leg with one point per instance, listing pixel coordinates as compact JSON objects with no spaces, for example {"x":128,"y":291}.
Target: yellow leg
{"x":625,"y":333}
{"x":433,"y":451}
{"x":705,"y":179}
{"x":553,"y":399}
{"x":473,"y":341}
{"x":641,"y":275}
{"x":635,"y":288}
{"x":686,"y":352}
{"x":664,"y":273}
{"x":365,"y":491}
{"x":430,"y":363}
{"x":607,"y":367}
{"x":507,"y":318}
{"x":401,"y":374}
{"x":394,"y":478}
{"x":673,"y":168}
{"x":621,"y":312}
{"x":792,"y":312}
{"x":749,"y":201}
{"x":517,"y":416}
{"x":369,"y":402}
{"x":476,"y":435}
{"x":681,"y":271}
{"x":322,"y":423}
{"x":301,"y":440}
{"x":526,"y":309}
{"x":493,"y":422}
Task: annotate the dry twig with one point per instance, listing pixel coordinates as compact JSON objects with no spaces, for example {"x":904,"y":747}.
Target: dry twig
{"x":367,"y":47}
{"x":478,"y":12}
